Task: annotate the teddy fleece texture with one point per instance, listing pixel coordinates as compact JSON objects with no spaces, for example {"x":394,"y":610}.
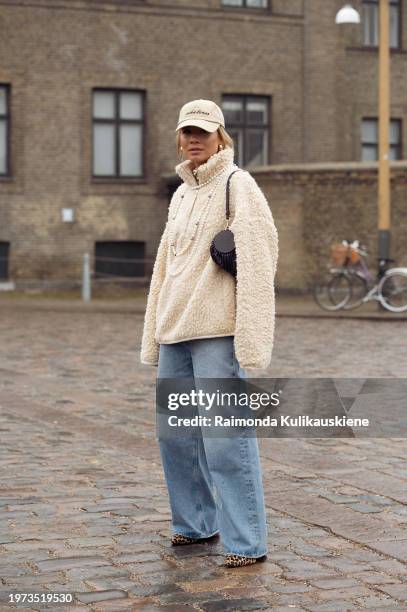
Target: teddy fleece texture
{"x":190,"y":296}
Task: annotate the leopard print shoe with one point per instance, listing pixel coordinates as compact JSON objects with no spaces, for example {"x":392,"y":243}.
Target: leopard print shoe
{"x":179,"y":540}
{"x":239,"y":561}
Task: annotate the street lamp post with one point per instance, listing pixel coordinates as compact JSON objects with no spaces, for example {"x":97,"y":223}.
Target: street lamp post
{"x":349,"y":15}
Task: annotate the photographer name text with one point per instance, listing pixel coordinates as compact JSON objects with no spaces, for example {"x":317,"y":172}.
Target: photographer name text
{"x":267,"y":421}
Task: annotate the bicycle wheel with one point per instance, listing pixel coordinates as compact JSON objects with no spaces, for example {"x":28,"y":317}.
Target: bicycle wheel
{"x":393,"y":291}
{"x":358,"y":291}
{"x":333,"y":293}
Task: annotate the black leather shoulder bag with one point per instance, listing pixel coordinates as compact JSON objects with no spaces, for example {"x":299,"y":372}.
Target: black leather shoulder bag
{"x":222,"y":249}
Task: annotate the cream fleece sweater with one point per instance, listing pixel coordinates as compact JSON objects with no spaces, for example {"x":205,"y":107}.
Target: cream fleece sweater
{"x":190,"y":296}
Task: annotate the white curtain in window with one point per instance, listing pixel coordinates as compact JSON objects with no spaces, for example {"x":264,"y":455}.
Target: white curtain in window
{"x":394,"y":25}
{"x":103,"y":150}
{"x":256,"y":111}
{"x":369,"y":153}
{"x":130,"y":106}
{"x":370,"y":139}
{"x":233,"y":110}
{"x":103,"y":105}
{"x":393,"y":153}
{"x":370,"y":24}
{"x":257,"y":3}
{"x":370,"y":130}
{"x":3,"y":147}
{"x":394,"y":135}
{"x":256,"y":147}
{"x":130,"y":150}
{"x":3,"y":102}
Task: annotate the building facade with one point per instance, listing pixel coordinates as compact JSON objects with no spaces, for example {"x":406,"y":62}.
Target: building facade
{"x":90,"y":92}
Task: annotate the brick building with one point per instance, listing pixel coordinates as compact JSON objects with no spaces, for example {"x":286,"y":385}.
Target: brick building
{"x":90,"y":92}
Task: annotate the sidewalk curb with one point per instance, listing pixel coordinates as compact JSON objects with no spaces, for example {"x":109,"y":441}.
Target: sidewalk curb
{"x":117,"y":307}
{"x":364,"y":317}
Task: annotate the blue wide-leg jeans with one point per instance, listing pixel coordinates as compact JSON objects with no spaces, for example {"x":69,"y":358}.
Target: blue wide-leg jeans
{"x":214,"y":483}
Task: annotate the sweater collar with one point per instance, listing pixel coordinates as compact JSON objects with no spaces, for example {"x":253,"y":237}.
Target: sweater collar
{"x":215,"y":164}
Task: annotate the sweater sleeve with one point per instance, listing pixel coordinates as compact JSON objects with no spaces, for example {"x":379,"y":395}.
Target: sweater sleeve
{"x":149,"y":347}
{"x":256,"y":241}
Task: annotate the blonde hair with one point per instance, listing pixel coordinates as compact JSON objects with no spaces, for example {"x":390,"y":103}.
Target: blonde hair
{"x":225,"y":139}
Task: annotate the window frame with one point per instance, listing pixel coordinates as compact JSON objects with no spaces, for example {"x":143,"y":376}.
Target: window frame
{"x":7,"y":118}
{"x":117,"y":121}
{"x":245,"y":7}
{"x":376,"y":145}
{"x":243,"y":126}
{"x":397,"y":3}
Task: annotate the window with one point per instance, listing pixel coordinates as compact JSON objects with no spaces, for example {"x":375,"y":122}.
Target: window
{"x":371,"y":23}
{"x":246,"y":3}
{"x":370,"y":139}
{"x":4,"y":129}
{"x":118,"y":132}
{"x":247,"y":121}
{"x":119,"y":259}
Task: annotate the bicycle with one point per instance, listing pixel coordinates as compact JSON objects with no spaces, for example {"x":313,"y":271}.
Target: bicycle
{"x":351,"y":284}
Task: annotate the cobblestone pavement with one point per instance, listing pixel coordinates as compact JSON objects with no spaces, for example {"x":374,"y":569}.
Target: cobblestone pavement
{"x":83,"y":501}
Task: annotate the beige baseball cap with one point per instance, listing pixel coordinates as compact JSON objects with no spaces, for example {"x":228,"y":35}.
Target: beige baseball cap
{"x":201,"y":113}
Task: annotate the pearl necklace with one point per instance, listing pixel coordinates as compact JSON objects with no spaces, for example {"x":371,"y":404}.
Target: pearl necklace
{"x":198,"y":226}
{"x":209,"y":180}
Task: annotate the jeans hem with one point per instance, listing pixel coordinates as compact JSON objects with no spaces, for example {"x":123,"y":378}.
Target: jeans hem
{"x":252,"y":556}
{"x":191,"y":535}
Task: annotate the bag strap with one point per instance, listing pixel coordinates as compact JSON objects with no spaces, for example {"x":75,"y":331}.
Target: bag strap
{"x":227,"y":193}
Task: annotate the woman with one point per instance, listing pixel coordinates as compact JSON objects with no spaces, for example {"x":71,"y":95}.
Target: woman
{"x":203,"y":323}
